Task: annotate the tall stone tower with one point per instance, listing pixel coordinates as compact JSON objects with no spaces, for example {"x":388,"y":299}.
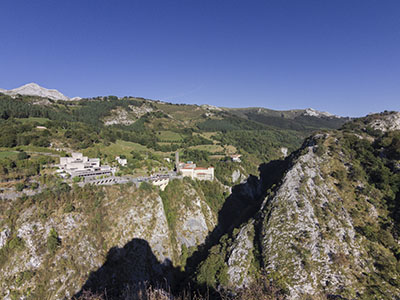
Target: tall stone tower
{"x":177,"y":161}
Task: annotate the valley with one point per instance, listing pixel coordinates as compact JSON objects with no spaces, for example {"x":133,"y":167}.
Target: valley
{"x":301,"y":205}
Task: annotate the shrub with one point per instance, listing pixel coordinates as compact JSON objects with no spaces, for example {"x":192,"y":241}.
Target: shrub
{"x":145,"y":186}
{"x":53,"y":241}
{"x":63,"y":187}
{"x":34,"y":185}
{"x":69,"y":207}
{"x":13,"y":244}
{"x":261,"y":288}
{"x":22,"y":155}
{"x":321,"y":149}
{"x":76,"y":179}
{"x":19,"y":187}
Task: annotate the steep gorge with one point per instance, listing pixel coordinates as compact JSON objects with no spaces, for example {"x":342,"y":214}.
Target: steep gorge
{"x":329,"y":229}
{"x":321,"y":224}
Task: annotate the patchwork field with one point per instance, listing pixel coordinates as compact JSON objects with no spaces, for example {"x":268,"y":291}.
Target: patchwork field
{"x":115,"y":149}
{"x":209,"y":148}
{"x":169,"y":136}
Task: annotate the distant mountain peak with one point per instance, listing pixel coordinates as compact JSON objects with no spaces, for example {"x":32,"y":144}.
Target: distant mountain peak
{"x":316,"y":113}
{"x":33,"y":89}
{"x":30,"y":85}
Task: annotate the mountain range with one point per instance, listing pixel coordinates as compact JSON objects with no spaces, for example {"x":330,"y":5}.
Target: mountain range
{"x":33,"y":89}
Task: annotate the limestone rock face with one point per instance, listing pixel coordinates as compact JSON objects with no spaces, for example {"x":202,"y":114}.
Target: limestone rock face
{"x":300,"y":240}
{"x":114,"y":235}
{"x":315,"y":113}
{"x":4,"y":234}
{"x":236,"y":175}
{"x":145,"y":220}
{"x":318,"y":232}
{"x":194,"y":223}
{"x":124,"y":117}
{"x":385,"y":122}
{"x":119,"y":116}
{"x":241,"y":256}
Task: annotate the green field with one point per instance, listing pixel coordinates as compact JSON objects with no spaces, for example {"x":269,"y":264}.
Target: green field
{"x":231,"y":149}
{"x":169,"y":136}
{"x":31,"y":148}
{"x":8,"y":154}
{"x":115,"y":149}
{"x":209,"y":148}
{"x":207,"y":135}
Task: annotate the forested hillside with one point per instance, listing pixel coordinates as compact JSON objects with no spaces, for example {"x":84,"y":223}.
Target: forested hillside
{"x":161,"y":128}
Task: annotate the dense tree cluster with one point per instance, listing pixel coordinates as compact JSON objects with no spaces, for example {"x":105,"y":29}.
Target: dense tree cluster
{"x":264,"y":144}
{"x":21,"y":168}
{"x":14,"y":133}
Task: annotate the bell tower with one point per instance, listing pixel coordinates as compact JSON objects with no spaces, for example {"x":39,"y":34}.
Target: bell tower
{"x":177,"y":161}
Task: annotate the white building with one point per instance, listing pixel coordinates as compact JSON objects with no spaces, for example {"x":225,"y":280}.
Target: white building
{"x":191,"y":170}
{"x":122,"y":161}
{"x":236,"y":157}
{"x":78,"y":161}
{"x":82,"y":166}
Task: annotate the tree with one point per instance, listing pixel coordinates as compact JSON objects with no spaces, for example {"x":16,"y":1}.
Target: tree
{"x":19,"y":187}
{"x":8,"y":139}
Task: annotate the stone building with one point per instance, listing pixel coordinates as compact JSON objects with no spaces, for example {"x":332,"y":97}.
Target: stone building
{"x":190,"y":169}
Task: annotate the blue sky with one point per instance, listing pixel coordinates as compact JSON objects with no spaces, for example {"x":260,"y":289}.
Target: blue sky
{"x":341,"y":56}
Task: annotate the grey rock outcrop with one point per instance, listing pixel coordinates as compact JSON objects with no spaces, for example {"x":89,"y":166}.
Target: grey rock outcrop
{"x":386,"y":122}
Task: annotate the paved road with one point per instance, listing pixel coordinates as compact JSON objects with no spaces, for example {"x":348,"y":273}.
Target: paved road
{"x":125,"y":179}
{"x":11,"y":194}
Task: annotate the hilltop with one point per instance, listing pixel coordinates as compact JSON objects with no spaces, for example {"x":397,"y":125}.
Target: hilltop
{"x":33,"y":89}
{"x":296,"y":119}
{"x":291,"y":119}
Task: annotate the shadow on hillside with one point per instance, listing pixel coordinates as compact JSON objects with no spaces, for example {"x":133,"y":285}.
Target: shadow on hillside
{"x":129,"y":269}
{"x":243,"y":203}
{"x":135,"y":265}
{"x":246,"y":198}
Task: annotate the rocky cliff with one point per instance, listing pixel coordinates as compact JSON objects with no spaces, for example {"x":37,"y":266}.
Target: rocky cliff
{"x":60,"y":242}
{"x":329,"y":229}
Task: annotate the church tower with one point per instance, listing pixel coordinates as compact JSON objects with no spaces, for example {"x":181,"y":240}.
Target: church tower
{"x":177,"y":161}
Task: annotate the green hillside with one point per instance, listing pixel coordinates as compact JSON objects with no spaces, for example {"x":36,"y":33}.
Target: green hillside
{"x":109,"y":126}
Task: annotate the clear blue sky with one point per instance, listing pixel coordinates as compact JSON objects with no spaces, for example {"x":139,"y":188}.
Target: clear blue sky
{"x":341,"y":56}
